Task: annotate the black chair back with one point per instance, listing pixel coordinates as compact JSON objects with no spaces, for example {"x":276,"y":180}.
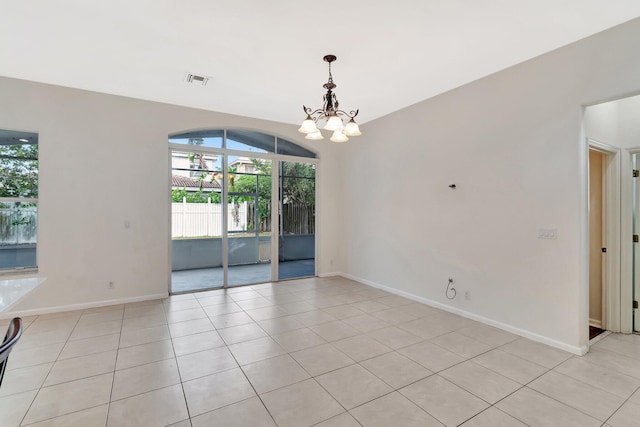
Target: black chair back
{"x":14,"y":332}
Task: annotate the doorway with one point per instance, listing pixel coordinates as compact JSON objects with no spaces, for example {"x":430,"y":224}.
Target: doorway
{"x":604,"y":231}
{"x":597,"y":250}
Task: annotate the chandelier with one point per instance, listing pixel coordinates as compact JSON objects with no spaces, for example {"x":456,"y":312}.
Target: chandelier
{"x":330,"y":113}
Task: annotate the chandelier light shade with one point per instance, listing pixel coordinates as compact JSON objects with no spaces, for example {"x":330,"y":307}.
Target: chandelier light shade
{"x":333,"y":117}
{"x":338,"y":136}
{"x":316,"y":136}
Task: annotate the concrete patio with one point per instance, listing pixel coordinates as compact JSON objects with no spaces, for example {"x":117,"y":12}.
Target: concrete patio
{"x":207,"y":278}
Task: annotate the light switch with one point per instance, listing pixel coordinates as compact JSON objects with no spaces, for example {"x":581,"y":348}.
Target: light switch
{"x":547,"y":233}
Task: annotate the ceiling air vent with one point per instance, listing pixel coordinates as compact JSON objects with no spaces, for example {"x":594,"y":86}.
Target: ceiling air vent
{"x":194,"y":78}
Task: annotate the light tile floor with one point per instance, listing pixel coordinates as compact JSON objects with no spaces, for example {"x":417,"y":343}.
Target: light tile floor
{"x":311,"y":352}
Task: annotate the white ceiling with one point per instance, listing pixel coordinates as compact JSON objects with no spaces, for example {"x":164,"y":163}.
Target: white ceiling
{"x":265,"y":57}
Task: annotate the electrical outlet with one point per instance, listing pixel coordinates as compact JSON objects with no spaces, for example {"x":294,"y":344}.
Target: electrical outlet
{"x":467,"y":295}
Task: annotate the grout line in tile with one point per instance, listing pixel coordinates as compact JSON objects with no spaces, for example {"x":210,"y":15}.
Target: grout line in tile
{"x":619,"y":407}
{"x":48,"y":373}
{"x":63,"y":415}
{"x":252,"y":387}
{"x":184,"y":395}
{"x":573,"y":407}
{"x":115,"y":364}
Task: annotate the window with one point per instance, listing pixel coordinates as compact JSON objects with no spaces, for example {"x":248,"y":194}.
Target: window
{"x":18,"y":199}
{"x":243,"y":140}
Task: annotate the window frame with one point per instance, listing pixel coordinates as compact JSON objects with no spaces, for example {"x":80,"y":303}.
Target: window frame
{"x":7,"y":138}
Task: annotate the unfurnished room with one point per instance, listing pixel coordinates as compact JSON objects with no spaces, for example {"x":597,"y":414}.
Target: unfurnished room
{"x":420,"y":213}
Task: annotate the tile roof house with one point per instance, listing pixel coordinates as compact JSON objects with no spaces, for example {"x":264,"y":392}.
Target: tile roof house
{"x":192,"y":184}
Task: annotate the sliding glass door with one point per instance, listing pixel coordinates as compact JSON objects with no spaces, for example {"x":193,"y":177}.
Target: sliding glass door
{"x":231,"y":192}
{"x":196,"y":221}
{"x":248,"y":224}
{"x":297,"y":220}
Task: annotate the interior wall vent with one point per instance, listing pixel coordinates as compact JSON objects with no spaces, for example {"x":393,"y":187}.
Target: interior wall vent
{"x":194,"y":78}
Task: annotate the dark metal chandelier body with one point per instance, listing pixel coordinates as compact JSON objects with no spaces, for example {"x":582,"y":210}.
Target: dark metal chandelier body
{"x":330,"y":113}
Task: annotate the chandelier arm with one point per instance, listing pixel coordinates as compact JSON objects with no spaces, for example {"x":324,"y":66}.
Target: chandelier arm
{"x":309,"y":112}
{"x":352,"y":114}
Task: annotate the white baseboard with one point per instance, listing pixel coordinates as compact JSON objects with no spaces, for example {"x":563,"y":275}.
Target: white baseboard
{"x":596,"y":323}
{"x":330,"y":274}
{"x":518,"y":331}
{"x":514,"y":330}
{"x":599,"y":338}
{"x":82,"y":306}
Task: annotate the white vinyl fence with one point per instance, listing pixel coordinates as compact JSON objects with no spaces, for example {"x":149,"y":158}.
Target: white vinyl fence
{"x":18,"y":225}
{"x":205,"y":219}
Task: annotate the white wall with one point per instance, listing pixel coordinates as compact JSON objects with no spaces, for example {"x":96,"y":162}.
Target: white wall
{"x":101,"y":152}
{"x":512,"y":144}
{"x":616,"y":122}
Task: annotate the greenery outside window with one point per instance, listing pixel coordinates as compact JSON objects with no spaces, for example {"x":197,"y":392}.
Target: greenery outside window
{"x":18,"y":199}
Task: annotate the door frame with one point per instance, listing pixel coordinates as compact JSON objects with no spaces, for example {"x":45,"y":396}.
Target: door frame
{"x":627,"y":207}
{"x":612,"y":270}
{"x":225,"y":152}
{"x":601,"y":254}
